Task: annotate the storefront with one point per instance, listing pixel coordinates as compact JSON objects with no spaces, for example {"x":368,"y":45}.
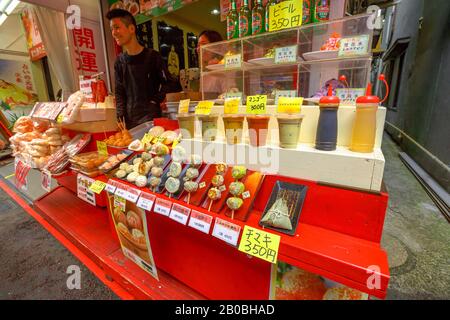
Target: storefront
{"x":269,"y":187}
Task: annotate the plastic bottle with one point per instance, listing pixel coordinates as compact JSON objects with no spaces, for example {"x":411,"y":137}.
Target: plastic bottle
{"x":307,"y":10}
{"x":268,"y":5}
{"x":365,"y":125}
{"x":245,"y":20}
{"x":321,"y":11}
{"x":232,"y":22}
{"x":327,"y":128}
{"x":258,"y":18}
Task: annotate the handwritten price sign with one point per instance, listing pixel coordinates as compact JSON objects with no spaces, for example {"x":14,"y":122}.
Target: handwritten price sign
{"x":260,"y":244}
{"x":285,"y":15}
{"x":204,"y":107}
{"x":256,"y":104}
{"x":102,"y":148}
{"x":289,"y":105}
{"x":184,"y":106}
{"x":232,"y":62}
{"x":232,"y":106}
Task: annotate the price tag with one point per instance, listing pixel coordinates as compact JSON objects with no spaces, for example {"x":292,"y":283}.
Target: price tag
{"x":246,"y":195}
{"x":348,"y":96}
{"x":46,"y":180}
{"x":60,"y":119}
{"x":260,"y":244}
{"x":286,"y":55}
{"x":146,"y":201}
{"x":162,"y":207}
{"x":184,"y":106}
{"x":179,"y":213}
{"x":111,"y":186}
{"x":256,"y":104}
{"x":83,"y":191}
{"x":233,"y":95}
{"x":132,"y":194}
{"x":232,"y":106}
{"x":226,"y":231}
{"x":233,"y":62}
{"x":121,"y":190}
{"x":354,"y":46}
{"x":222,"y":188}
{"x":102,"y":148}
{"x":200,"y":221}
{"x":289,"y":105}
{"x":97,"y":186}
{"x":284,"y":93}
{"x":204,"y":107}
{"x":120,"y":202}
{"x":285,"y":15}
{"x":147,"y":138}
{"x":202,"y":185}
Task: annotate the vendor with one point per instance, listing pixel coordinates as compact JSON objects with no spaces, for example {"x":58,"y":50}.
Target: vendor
{"x":140,"y":73}
{"x":213,"y":86}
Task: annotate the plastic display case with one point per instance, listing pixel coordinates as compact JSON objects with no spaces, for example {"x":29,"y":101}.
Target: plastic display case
{"x":306,"y":73}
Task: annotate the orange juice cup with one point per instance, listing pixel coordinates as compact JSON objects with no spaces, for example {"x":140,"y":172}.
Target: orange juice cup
{"x":258,"y":128}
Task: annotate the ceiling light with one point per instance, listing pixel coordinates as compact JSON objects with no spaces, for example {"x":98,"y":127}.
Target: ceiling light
{"x":215,"y":12}
{"x":6,"y":8}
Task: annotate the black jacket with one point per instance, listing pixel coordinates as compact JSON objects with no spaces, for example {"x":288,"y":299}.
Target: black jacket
{"x":140,"y":82}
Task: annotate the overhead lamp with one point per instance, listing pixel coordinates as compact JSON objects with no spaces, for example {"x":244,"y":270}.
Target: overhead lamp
{"x":6,"y":8}
{"x":215,"y":12}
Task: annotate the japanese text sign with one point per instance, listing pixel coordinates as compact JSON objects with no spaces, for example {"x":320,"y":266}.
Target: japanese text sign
{"x":97,"y":186}
{"x":286,"y":54}
{"x":102,"y":148}
{"x":234,"y":61}
{"x":284,"y":93}
{"x":348,"y":96}
{"x":260,"y":244}
{"x":289,"y":105}
{"x":204,"y":107}
{"x":184,"y":106}
{"x":226,"y":231}
{"x":256,"y":104}
{"x":285,"y":15}
{"x":231,"y":106}
{"x":354,"y":46}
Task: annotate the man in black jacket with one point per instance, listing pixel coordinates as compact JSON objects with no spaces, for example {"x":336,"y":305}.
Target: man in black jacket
{"x":140,"y":73}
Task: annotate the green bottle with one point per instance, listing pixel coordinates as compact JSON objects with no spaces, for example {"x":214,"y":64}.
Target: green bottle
{"x":306,"y":12}
{"x":245,"y":20}
{"x":258,"y":18}
{"x":321,"y":10}
{"x":232,"y":22}
{"x":268,"y":5}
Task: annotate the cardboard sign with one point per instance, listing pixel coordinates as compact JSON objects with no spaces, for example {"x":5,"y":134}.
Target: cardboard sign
{"x":83,"y":191}
{"x":146,"y":201}
{"x":354,"y":46}
{"x":284,"y":93}
{"x":226,"y":231}
{"x":102,"y":148}
{"x":46,"y":180}
{"x":289,"y":105}
{"x":200,"y":221}
{"x":97,"y":186}
{"x":163,"y":207}
{"x":233,"y":62}
{"x":204,"y":107}
{"x":256,"y":104}
{"x":286,"y":55}
{"x":260,"y":244}
{"x":179,"y":213}
{"x":184,"y":106}
{"x":231,"y":106}
{"x":348,"y":96}
{"x":285,"y":15}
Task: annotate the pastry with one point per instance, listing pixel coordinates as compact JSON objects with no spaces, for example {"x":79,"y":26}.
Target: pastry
{"x":154,"y":181}
{"x":141,"y":181}
{"x":221,"y":168}
{"x":160,"y":149}
{"x":196,"y":161}
{"x":150,"y":163}
{"x":121,"y":174}
{"x":157,"y":172}
{"x":136,"y":145}
{"x":191,"y":173}
{"x":137,"y":161}
{"x":158,"y":161}
{"x":138,"y":236}
{"x":134,"y":221}
{"x":234,"y":203}
{"x":132,"y":177}
{"x":156,"y":131}
{"x":239,"y":172}
{"x":146,"y":156}
{"x":123,"y":229}
{"x":190,"y":186}
{"x":278,"y":215}
{"x":123,"y":166}
{"x":178,"y":154}
{"x":217,"y":180}
{"x":129,"y":168}
{"x":175,"y":169}
{"x":237,"y":188}
{"x":214,"y":194}
{"x":172,"y":185}
{"x":170,"y":137}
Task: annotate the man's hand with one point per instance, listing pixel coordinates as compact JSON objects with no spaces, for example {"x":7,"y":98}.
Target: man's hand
{"x":163,"y":106}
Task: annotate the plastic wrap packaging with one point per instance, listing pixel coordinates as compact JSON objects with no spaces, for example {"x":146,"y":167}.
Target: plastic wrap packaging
{"x":75,"y":102}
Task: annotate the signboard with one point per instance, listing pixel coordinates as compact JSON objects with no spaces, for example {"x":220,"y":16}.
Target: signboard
{"x":179,"y":213}
{"x":284,"y":93}
{"x":232,"y":106}
{"x":233,"y":62}
{"x":256,"y":104}
{"x":200,"y":221}
{"x":97,"y":187}
{"x":184,"y":106}
{"x":48,"y":110}
{"x":83,"y":191}
{"x":163,"y":207}
{"x":102,"y":148}
{"x":34,"y":41}
{"x":348,"y":96}
{"x":204,"y":107}
{"x":289,"y":105}
{"x":226,"y":231}
{"x":285,"y":15}
{"x":260,"y":244}
{"x":146,"y":201}
{"x":354,"y":46}
{"x":286,"y":55}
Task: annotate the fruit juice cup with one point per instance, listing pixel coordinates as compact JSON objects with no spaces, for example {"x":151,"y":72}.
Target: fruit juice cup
{"x":233,"y":128}
{"x":209,"y":127}
{"x":187,"y":125}
{"x":258,"y":128}
{"x":289,"y":127}
{"x":364,"y":128}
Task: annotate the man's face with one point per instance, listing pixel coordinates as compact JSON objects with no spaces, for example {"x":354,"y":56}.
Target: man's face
{"x":120,"y":32}
{"x":201,"y":41}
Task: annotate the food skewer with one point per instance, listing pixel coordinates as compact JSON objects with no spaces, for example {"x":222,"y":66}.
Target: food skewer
{"x":210,"y":205}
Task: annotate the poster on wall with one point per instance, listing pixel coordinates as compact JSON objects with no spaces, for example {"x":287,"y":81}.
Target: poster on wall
{"x":130,"y":222}
{"x":171,"y":47}
{"x":86,"y":48}
{"x":145,"y":34}
{"x":292,"y":283}
{"x":34,"y":42}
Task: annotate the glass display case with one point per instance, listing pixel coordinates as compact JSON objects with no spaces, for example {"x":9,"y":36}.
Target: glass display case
{"x":301,"y":61}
